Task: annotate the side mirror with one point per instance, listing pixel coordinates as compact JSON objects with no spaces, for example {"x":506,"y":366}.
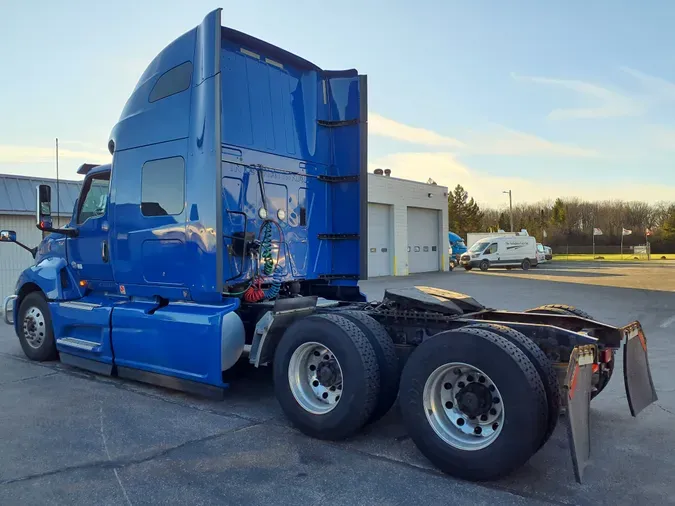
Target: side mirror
{"x":7,"y":236}
{"x":43,"y":213}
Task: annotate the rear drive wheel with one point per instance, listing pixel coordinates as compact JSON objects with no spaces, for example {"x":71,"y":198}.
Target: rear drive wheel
{"x":526,"y":264}
{"x":35,"y":331}
{"x":484,"y":265}
{"x":467,"y":267}
{"x":326,"y":376}
{"x":541,"y":363}
{"x":600,"y":378}
{"x":387,"y":360}
{"x":473,"y":403}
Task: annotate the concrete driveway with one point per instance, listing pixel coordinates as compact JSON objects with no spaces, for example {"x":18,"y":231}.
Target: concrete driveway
{"x":68,"y":437}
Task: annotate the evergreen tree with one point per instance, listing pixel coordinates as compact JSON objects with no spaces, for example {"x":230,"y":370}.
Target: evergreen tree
{"x":464,"y":215}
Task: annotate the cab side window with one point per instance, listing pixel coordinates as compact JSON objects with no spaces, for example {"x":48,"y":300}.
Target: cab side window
{"x":163,"y":187}
{"x":171,"y":82}
{"x":492,"y":249}
{"x":94,"y":200}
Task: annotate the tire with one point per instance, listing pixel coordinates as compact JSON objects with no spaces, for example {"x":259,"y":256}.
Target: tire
{"x":35,"y":330}
{"x":467,"y":267}
{"x":517,"y":382}
{"x":563,"y":309}
{"x":484,"y":265}
{"x":540,"y":361}
{"x":526,"y":264}
{"x":387,"y":360}
{"x":602,"y":378}
{"x":357,"y":362}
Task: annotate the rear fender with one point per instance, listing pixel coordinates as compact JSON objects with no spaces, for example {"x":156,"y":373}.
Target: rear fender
{"x":272,"y":325}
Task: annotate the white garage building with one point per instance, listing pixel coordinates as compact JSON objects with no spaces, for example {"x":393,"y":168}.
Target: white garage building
{"x":17,"y":212}
{"x":407,"y":226}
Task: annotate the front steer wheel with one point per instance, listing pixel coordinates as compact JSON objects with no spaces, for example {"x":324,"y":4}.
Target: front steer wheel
{"x":34,"y":324}
{"x":326,"y":376}
{"x":473,"y":403}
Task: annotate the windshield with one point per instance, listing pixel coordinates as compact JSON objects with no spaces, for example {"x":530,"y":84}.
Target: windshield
{"x":479,"y":246}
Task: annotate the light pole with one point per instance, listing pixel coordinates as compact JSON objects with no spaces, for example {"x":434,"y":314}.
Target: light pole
{"x":510,"y":208}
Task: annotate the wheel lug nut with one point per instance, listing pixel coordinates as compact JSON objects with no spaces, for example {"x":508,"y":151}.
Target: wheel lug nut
{"x":448,"y":405}
{"x":477,"y":431}
{"x":447,"y":386}
{"x":492,"y":388}
{"x":317,"y":354}
{"x":495,"y":400}
{"x":315,"y":383}
{"x":461,"y":384}
{"x":325,"y":395}
{"x":312,"y":368}
{"x":483,"y":418}
{"x":469,"y":379}
{"x":460,"y":421}
{"x":493,"y":412}
{"x":481,"y":379}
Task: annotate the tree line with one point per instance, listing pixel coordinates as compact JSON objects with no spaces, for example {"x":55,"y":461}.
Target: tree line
{"x":570,"y":221}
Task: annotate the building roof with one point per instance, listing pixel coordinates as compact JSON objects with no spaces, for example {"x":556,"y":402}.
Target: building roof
{"x":18,"y":195}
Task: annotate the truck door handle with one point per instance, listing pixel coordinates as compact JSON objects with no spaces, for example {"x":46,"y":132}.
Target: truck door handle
{"x":104,"y":251}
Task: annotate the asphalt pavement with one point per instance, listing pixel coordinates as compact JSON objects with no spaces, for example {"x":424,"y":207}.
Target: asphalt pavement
{"x":70,"y":437}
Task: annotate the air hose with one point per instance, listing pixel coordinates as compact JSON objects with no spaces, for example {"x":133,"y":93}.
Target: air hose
{"x":255,"y":293}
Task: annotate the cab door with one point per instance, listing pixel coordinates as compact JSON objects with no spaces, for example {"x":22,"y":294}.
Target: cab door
{"x":88,"y":253}
{"x":492,"y":253}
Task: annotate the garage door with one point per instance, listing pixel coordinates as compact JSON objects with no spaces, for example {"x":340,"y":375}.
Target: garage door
{"x":379,"y":240}
{"x":423,"y":232}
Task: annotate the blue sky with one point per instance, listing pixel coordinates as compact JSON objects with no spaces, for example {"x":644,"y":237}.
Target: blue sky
{"x":546,"y":100}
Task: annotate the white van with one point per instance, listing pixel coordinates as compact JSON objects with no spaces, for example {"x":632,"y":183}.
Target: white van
{"x":541,"y":253}
{"x":501,"y":252}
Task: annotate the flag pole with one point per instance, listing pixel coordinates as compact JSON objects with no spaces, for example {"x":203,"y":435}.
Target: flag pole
{"x":621,"y":242}
{"x":593,"y":243}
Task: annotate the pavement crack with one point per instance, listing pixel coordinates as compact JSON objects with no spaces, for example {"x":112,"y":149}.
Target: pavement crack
{"x":664,"y":409}
{"x":13,"y":382}
{"x":123,"y":462}
{"x":436,"y":472}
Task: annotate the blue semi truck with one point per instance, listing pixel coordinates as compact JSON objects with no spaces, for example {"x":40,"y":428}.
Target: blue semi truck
{"x":231,"y":226}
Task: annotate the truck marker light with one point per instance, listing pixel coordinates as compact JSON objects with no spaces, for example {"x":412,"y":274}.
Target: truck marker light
{"x":83,"y":283}
{"x":249,"y":53}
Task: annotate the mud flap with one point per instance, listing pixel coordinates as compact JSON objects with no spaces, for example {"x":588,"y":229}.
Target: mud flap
{"x":636,"y":373}
{"x":578,"y":387}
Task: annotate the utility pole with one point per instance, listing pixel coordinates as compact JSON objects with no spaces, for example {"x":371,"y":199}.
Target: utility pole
{"x":510,"y":208}
{"x":58,"y":198}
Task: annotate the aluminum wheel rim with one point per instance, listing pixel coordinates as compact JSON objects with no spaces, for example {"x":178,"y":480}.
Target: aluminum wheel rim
{"x":315,"y":378}
{"x":446,"y":418}
{"x":34,"y":327}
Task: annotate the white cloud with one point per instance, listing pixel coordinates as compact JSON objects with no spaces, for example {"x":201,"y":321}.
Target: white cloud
{"x":507,"y":142}
{"x":446,"y":170}
{"x":609,"y":103}
{"x":657,"y":89}
{"x":497,"y":141}
{"x":41,"y":154}
{"x":385,"y":127}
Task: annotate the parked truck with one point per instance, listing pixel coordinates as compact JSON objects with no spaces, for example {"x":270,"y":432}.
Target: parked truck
{"x":231,"y":226}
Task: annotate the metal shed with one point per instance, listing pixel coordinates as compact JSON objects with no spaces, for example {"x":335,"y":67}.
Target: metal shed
{"x":17,"y":212}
